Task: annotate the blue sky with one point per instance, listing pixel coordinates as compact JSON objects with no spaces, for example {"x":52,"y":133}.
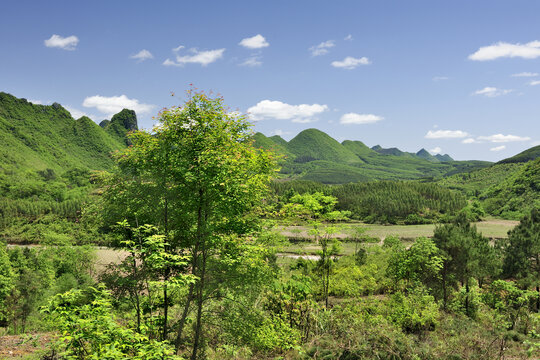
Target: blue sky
{"x":441,"y":75}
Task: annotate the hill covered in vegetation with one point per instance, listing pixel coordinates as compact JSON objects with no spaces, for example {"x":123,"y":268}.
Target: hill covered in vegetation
{"x":47,"y":157}
{"x":314,"y":155}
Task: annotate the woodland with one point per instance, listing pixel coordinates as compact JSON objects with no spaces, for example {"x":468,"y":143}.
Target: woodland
{"x":196,"y":216}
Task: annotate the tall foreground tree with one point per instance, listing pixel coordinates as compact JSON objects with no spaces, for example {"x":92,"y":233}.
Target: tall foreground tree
{"x":522,"y":253}
{"x":466,"y":254}
{"x":199,"y":179}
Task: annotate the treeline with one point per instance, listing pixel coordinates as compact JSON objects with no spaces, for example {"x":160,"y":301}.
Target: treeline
{"x":383,"y":201}
{"x":43,"y":202}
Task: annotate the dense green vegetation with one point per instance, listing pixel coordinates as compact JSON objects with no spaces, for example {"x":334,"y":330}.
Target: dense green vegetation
{"x":45,"y":169}
{"x":517,"y":194}
{"x":201,"y":274}
{"x":524,"y":156}
{"x":382,"y":201}
{"x":313,"y":155}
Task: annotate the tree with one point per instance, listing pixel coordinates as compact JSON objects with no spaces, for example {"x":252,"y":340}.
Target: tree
{"x":204,"y":180}
{"x":421,"y":263}
{"x":329,"y":250}
{"x":466,"y":253}
{"x":522,"y":253}
{"x":90,"y":331}
{"x":7,"y":280}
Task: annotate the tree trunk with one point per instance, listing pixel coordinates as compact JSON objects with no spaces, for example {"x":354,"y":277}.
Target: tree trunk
{"x":182,"y":321}
{"x":467,"y":297}
{"x":444,"y":286}
{"x":538,"y":299}
{"x":137,"y":301}
{"x":200,"y":300}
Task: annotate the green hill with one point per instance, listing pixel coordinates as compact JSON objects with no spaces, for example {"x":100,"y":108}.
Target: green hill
{"x":424,"y":154}
{"x":314,"y":155}
{"x":358,"y":148}
{"x":524,"y":156}
{"x":444,"y":158}
{"x":37,"y":137}
{"x":313,"y":144}
{"x":517,"y":194}
{"x":47,"y":157}
{"x":273,"y":143}
{"x":120,"y":124}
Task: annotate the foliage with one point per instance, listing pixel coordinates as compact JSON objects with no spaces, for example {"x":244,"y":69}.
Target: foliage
{"x":512,"y":303}
{"x":379,"y":202}
{"x":89,"y":330}
{"x":420,"y":263}
{"x":517,"y":195}
{"x":37,"y":274}
{"x":313,"y":155}
{"x":415,"y":311}
{"x":466,"y":254}
{"x":6,"y":280}
{"x":522,"y":252}
{"x":200,"y":181}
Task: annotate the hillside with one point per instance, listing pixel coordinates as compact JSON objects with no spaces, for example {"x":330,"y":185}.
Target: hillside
{"x":524,"y":156}
{"x":37,"y":137}
{"x":47,"y":157}
{"x":517,"y":194}
{"x":313,"y":144}
{"x":314,"y":155}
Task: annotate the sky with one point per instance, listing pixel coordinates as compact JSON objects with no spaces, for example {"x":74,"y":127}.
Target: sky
{"x":459,"y":77}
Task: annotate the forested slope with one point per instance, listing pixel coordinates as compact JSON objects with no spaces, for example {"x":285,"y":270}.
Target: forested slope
{"x":47,"y":158}
{"x":314,"y":155}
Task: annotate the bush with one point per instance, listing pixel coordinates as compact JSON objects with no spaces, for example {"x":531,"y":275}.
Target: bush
{"x":414,"y":312}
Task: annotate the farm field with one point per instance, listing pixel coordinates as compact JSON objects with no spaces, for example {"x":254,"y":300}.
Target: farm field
{"x":492,"y":228}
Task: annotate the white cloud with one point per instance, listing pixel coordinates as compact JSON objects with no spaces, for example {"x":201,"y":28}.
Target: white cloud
{"x":468,"y":141}
{"x":350,"y":63}
{"x":76,"y":113}
{"x":142,"y":55}
{"x":353,"y":118}
{"x":178,"y":48}
{"x":36,"y":102}
{"x":530,"y":50}
{"x":114,"y":104}
{"x":322,"y":48}
{"x":490,"y":91}
{"x":525,"y":74}
{"x":66,"y":43}
{"x":446,"y":134}
{"x":279,"y":132}
{"x":268,"y":109}
{"x":195,"y":57}
{"x":500,"y":138}
{"x":440,"y":78}
{"x":498,"y":148}
{"x":534,"y":82}
{"x":252,"y":61}
{"x":256,"y":42}
{"x":435,"y":150}
{"x":348,"y":37}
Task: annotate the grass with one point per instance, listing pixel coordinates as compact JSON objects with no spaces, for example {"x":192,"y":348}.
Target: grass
{"x":492,"y":228}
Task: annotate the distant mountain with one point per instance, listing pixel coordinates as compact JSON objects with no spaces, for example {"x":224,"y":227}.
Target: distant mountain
{"x":524,"y":156}
{"x":314,"y":155}
{"x":424,"y":154}
{"x":390,"y":151}
{"x":443,"y":158}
